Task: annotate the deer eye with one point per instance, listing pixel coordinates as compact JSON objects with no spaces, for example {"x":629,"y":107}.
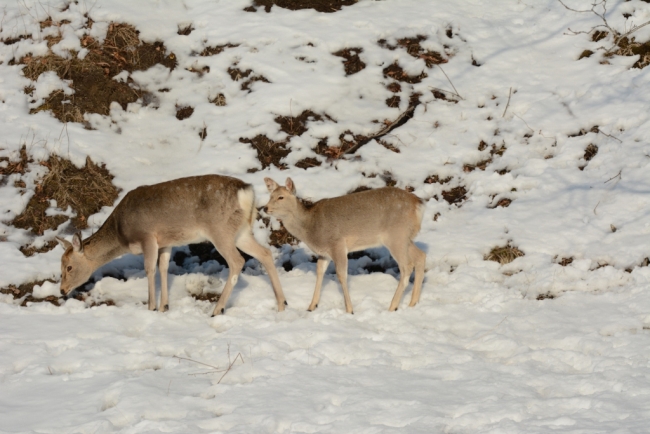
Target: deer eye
{"x":69,"y":268}
{"x":280,"y":197}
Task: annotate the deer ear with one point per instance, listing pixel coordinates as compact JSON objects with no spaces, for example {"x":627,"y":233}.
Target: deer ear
{"x":64,"y":243}
{"x":271,"y":185}
{"x":77,"y":244}
{"x":290,"y":186}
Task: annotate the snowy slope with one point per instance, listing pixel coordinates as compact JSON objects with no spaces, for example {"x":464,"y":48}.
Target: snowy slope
{"x":479,"y":353}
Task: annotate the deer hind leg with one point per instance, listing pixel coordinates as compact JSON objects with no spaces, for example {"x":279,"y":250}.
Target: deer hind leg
{"x":321,"y":267}
{"x":419,"y":258}
{"x":340,"y":258}
{"x":226,"y":247}
{"x":164,"y":255}
{"x":150,"y":253}
{"x":248,"y":244}
{"x":400,"y":252}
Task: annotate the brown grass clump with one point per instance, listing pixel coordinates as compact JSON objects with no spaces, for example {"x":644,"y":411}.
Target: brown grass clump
{"x":86,"y":190}
{"x":306,"y":163}
{"x":455,"y":196}
{"x":237,"y":74}
{"x":213,"y":51}
{"x":183,"y":112}
{"x":504,"y":255}
{"x":17,"y":166}
{"x":268,"y":151}
{"x":296,"y":126}
{"x":396,"y":72}
{"x":26,"y":290}
{"x":413,"y":48}
{"x":590,"y":151}
{"x":319,"y":5}
{"x":352,"y":62}
{"x":91,"y":77}
{"x":219,"y":100}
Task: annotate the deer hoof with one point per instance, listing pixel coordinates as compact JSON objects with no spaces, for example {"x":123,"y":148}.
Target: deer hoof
{"x":285,"y":303}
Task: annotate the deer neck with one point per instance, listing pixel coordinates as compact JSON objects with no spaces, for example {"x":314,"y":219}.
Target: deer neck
{"x":298,"y":222}
{"x":104,"y":245}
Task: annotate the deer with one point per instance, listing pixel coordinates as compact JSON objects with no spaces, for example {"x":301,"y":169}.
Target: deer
{"x":334,"y":227}
{"x":152,"y":219}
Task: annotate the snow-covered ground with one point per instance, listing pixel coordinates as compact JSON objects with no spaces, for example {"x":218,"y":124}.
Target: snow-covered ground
{"x":479,"y":353}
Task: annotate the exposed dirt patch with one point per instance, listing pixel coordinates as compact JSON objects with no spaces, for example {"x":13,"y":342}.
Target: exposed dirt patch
{"x":546,"y":296}
{"x":396,"y":72}
{"x":185,"y":30}
{"x":15,"y":166}
{"x":481,"y":165}
{"x":247,"y":77}
{"x":504,"y":255}
{"x":268,"y":151}
{"x":413,"y":48}
{"x":91,"y":77}
{"x":352,"y":62}
{"x":503,"y":203}
{"x":183,"y":112}
{"x":86,"y":190}
{"x":393,"y":101}
{"x":297,"y":125}
{"x":456,"y":195}
{"x":435,"y":179}
{"x":213,"y":51}
{"x":319,"y":5}
{"x":306,"y":163}
{"x":590,"y":152}
{"x":26,"y":290}
{"x":212,"y":297}
{"x":565,"y":261}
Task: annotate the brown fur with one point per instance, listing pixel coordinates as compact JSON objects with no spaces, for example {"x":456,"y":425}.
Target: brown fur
{"x":154,"y":218}
{"x":334,"y":227}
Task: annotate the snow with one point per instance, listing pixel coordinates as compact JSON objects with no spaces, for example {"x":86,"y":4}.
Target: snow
{"x":479,"y":353}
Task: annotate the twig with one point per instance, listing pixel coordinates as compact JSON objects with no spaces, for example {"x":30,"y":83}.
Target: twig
{"x":195,"y":361}
{"x":239,"y":356}
{"x":49,"y":369}
{"x":388,"y":128}
{"x":610,"y":136}
{"x":452,"y":84}
{"x":491,"y":330}
{"x":618,"y":175}
{"x":595,"y":213}
{"x":508,"y":103}
{"x":168,"y":386}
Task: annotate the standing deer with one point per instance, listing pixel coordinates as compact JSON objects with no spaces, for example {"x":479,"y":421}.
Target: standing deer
{"x":154,"y":218}
{"x":334,"y":227}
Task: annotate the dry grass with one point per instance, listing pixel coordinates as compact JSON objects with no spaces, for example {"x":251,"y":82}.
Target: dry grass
{"x":91,"y":77}
{"x":86,"y":190}
{"x":504,"y":255}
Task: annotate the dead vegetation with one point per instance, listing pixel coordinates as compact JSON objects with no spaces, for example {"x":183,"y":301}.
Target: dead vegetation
{"x":184,"y":112}
{"x":268,"y":152}
{"x":91,"y":77}
{"x":504,"y":255}
{"x":213,"y":51}
{"x":237,"y":74}
{"x":455,"y":196}
{"x":621,"y":43}
{"x":85,"y":190}
{"x":327,"y":6}
{"x":352,"y":62}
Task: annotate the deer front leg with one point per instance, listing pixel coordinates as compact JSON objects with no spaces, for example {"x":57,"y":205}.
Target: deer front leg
{"x":321,"y":267}
{"x":164,"y":255}
{"x":150,"y":253}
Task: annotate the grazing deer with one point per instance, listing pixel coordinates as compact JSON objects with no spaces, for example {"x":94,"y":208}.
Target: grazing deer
{"x":154,"y":218}
{"x":334,"y":227}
